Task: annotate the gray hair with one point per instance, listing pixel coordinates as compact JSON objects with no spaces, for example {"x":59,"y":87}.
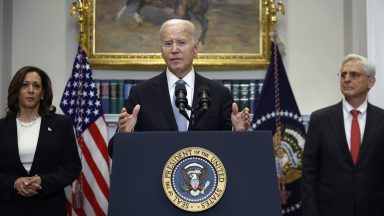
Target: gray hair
{"x":195,"y":35}
{"x":369,"y":67}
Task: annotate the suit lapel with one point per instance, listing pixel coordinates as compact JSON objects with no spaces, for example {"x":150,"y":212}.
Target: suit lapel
{"x":43,"y":139}
{"x":13,"y":144}
{"x":198,"y":82}
{"x":160,"y":89}
{"x":337,"y":121}
{"x":370,"y":125}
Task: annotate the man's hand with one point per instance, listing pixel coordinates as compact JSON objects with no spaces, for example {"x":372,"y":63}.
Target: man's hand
{"x":240,"y":120}
{"x":128,"y":121}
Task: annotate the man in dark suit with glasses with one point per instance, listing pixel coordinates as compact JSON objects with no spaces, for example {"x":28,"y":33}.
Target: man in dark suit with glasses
{"x":343,"y":163}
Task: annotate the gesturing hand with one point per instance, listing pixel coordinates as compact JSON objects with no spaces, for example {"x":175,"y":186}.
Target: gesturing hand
{"x":128,"y":121}
{"x":240,"y":120}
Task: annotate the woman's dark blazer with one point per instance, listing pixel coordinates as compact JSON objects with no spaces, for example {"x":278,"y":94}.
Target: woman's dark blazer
{"x":56,"y":161}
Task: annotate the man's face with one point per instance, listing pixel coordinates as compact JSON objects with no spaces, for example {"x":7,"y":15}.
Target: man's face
{"x":178,"y":49}
{"x":354,"y":83}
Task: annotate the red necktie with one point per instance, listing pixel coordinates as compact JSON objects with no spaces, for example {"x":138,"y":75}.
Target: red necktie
{"x":355,"y":135}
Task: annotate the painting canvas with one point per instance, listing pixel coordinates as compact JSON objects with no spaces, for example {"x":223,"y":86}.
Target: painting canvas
{"x":125,"y":33}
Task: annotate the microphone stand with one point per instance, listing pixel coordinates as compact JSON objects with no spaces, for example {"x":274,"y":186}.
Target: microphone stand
{"x":195,"y":114}
{"x":201,"y":107}
{"x":184,"y":113}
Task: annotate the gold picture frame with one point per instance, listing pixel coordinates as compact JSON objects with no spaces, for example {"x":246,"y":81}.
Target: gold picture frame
{"x":99,"y":23}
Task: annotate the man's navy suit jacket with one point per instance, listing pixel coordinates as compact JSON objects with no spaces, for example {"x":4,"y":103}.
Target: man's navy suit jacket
{"x":331,"y":183}
{"x":156,"y":113}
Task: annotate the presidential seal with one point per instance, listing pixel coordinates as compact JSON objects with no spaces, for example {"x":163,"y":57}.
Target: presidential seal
{"x":194,"y":179}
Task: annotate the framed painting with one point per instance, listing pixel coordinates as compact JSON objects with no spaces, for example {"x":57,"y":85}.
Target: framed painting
{"x":124,"y":34}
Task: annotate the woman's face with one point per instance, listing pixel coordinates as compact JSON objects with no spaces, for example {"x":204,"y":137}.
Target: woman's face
{"x":31,"y":92}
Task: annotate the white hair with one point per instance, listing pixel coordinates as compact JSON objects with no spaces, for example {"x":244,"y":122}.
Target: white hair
{"x":195,"y":35}
{"x":369,"y":67}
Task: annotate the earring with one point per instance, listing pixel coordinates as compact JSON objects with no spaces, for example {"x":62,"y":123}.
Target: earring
{"x":42,"y":98}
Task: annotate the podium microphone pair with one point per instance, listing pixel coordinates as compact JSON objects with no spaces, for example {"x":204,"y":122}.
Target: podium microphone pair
{"x":181,"y":101}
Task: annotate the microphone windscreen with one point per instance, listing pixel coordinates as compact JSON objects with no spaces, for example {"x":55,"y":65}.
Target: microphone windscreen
{"x":180,"y":87}
{"x":202,"y":88}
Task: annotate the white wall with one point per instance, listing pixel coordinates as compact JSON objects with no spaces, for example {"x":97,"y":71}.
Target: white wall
{"x":5,"y":50}
{"x":315,"y":47}
{"x":2,"y":83}
{"x":375,"y":26}
{"x":43,"y":36}
{"x":316,"y":35}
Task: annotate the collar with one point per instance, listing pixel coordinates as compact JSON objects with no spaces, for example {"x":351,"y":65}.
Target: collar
{"x":348,"y":107}
{"x":189,"y":79}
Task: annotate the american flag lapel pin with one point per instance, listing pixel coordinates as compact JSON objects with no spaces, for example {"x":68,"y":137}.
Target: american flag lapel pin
{"x":49,"y":129}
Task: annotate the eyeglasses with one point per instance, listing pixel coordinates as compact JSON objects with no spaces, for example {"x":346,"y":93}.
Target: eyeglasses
{"x":35,"y":86}
{"x":169,"y":44}
{"x":352,"y":75}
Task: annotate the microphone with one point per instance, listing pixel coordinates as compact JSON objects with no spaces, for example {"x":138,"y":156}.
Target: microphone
{"x":204,"y":98}
{"x":181,"y":100}
{"x":203,"y":103}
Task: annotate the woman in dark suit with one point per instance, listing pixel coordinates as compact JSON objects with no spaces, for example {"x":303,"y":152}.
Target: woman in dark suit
{"x":38,"y":152}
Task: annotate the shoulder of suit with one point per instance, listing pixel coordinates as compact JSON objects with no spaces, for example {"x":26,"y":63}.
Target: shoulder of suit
{"x":376,"y":108}
{"x":211,"y":83}
{"x":328,"y":109}
{"x":58,"y":117}
{"x":5,"y":121}
{"x":153,"y":80}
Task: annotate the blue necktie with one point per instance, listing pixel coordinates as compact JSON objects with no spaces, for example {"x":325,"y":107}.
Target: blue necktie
{"x":180,"y":119}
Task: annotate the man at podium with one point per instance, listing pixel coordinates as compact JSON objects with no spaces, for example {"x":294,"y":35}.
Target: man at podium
{"x":179,"y":99}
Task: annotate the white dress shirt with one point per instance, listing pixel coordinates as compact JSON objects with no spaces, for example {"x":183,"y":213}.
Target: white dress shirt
{"x":27,"y":138}
{"x":189,"y":80}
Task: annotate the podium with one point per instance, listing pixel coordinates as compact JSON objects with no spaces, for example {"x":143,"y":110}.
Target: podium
{"x":139,"y":159}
